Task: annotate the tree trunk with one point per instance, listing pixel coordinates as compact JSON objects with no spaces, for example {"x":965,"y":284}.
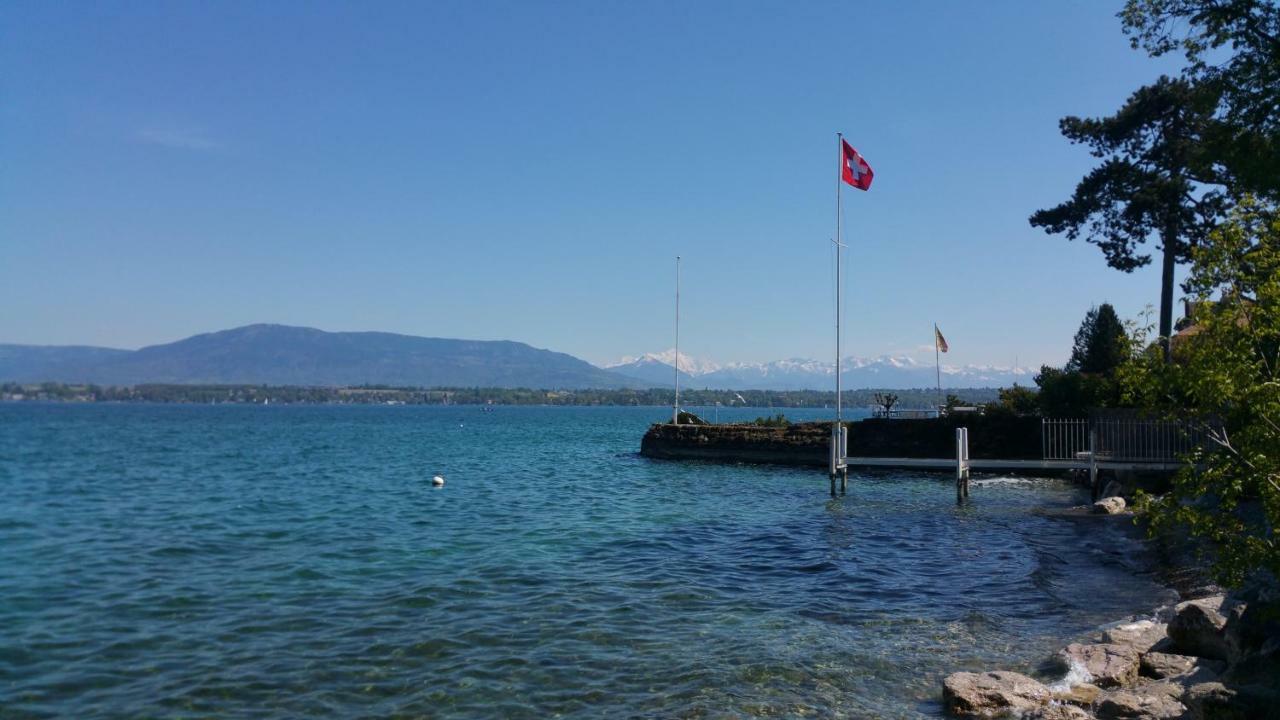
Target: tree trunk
{"x":1170,"y":241}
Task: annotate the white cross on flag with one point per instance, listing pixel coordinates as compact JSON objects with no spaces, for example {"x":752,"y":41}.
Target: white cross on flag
{"x":856,"y":170}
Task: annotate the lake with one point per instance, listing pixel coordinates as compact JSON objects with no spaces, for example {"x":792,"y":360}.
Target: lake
{"x":295,"y":561}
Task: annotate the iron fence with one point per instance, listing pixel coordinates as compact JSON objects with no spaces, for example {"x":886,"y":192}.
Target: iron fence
{"x":1064,"y":439}
{"x":1120,"y":439}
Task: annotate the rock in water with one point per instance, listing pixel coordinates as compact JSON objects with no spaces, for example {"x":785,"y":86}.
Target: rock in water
{"x":1082,"y":694}
{"x":1110,"y":665}
{"x":1108,"y":506}
{"x":992,"y":694}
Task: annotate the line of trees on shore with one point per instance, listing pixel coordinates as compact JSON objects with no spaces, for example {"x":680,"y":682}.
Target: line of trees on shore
{"x":382,"y":395}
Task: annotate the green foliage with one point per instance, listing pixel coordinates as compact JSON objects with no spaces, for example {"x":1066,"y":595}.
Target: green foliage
{"x":1100,"y":344}
{"x":1226,"y":378}
{"x":1087,"y":381}
{"x":778,"y":420}
{"x":1233,"y":47}
{"x":1157,"y":179}
{"x":1072,"y":394}
{"x":1017,"y":400}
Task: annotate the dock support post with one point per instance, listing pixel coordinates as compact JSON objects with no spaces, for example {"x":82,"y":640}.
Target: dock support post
{"x":966,"y":462}
{"x":834,"y":456}
{"x":844,"y":453}
{"x":839,"y":451}
{"x":1094,"y":490}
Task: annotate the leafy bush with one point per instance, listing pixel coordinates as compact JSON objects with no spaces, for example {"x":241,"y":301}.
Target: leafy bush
{"x":1225,"y":378}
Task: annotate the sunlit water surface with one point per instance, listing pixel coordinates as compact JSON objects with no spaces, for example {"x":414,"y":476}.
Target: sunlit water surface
{"x":224,"y":561}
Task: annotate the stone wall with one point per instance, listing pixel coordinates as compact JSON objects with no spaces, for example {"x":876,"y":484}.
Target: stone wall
{"x":807,"y":443}
{"x":796,"y":444}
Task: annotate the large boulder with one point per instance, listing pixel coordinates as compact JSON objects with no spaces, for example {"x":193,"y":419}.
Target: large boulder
{"x":992,"y":694}
{"x":1140,"y":635}
{"x":1211,"y":701}
{"x":1110,"y":665}
{"x":1108,"y":506}
{"x":1183,"y":669}
{"x":1145,"y":702}
{"x":1253,"y":627}
{"x":1197,"y":628}
{"x":1215,"y":701}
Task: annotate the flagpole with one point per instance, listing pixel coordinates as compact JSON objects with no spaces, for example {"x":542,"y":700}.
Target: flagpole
{"x":837,"y":457}
{"x":675,"y":409}
{"x":839,"y":247}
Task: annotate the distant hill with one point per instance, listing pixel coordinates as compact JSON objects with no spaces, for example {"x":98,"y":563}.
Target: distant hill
{"x":41,"y":362}
{"x":284,"y":355}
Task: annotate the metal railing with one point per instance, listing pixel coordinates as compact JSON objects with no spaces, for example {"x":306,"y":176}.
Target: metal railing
{"x":1139,"y":439}
{"x":1119,"y":439}
{"x":1064,"y":439}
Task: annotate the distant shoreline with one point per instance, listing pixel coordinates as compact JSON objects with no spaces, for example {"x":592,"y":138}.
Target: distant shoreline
{"x":246,"y":394}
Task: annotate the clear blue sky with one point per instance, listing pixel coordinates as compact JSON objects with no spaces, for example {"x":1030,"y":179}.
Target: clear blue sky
{"x":528,"y":171}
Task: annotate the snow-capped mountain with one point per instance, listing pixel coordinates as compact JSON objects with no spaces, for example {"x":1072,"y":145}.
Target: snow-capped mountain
{"x":886,"y":371}
{"x":658,"y":369}
{"x":690,"y":365}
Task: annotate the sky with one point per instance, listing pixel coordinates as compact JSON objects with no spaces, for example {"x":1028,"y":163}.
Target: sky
{"x":530,"y":171}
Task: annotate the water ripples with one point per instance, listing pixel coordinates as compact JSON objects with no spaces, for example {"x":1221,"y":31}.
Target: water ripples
{"x":284,"y":562}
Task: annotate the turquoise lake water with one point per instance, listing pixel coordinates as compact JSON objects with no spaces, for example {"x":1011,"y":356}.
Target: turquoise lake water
{"x":232,"y":561}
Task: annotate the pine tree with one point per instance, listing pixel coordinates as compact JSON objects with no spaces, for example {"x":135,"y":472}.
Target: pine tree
{"x":1158,"y":180}
{"x":1234,"y":47}
{"x":1101,"y":344}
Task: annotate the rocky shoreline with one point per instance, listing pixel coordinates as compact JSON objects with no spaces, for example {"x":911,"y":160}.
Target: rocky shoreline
{"x":1212,"y":655}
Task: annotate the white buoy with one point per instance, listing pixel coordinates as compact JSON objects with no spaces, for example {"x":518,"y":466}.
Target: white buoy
{"x":437,"y":481}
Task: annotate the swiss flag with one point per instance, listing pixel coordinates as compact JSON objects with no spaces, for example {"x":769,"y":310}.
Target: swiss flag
{"x":856,"y":170}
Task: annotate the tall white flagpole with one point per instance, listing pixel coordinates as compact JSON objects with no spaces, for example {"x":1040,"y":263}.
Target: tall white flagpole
{"x":837,"y":456}
{"x":675,"y":410}
{"x":839,"y":246}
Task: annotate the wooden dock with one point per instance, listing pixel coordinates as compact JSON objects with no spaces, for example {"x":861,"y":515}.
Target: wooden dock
{"x":1068,"y":456}
{"x":986,"y":465}
{"x":1002,"y":444}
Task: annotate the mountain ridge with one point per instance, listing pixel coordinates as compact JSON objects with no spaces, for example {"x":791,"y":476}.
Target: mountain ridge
{"x":273,"y":354}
